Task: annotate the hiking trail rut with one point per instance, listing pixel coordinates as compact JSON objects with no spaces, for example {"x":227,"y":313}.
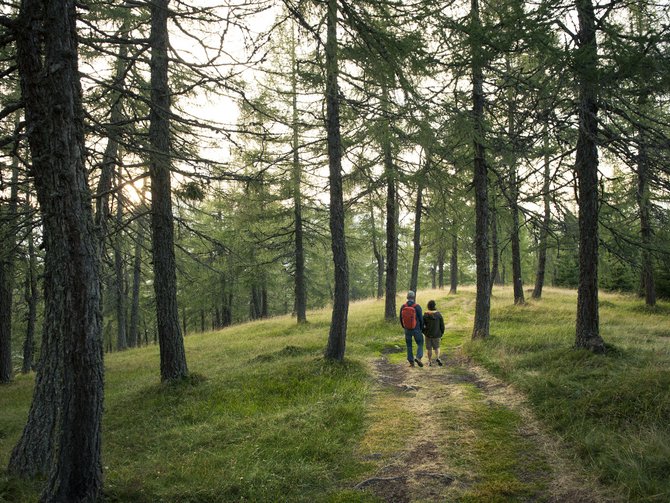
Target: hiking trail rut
{"x":428,"y":468}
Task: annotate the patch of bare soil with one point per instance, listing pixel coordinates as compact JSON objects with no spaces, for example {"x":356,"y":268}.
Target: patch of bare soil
{"x":422,"y":471}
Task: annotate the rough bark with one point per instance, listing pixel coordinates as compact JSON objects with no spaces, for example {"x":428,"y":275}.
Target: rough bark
{"x":338,"y":326}
{"x":586,"y":168}
{"x":544,"y":230}
{"x":480,"y":183}
{"x":172,"y":355}
{"x":63,"y":431}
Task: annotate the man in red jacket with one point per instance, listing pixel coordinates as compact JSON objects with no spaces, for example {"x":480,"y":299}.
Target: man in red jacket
{"x":411,"y":319}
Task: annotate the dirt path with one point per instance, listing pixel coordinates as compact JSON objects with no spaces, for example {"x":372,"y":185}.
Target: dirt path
{"x":470,"y":437}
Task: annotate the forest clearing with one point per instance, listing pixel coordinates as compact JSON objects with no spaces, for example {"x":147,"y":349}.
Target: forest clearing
{"x":263,"y":417}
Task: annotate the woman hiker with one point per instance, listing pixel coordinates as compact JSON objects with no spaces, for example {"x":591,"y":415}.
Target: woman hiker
{"x":433,"y":329}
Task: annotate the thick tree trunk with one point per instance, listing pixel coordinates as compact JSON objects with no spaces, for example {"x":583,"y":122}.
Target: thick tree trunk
{"x":134,"y":337}
{"x":480,"y":183}
{"x":391,"y":217}
{"x":414,"y":281}
{"x":172,"y":354}
{"x":544,"y":231}
{"x":338,"y":326}
{"x":63,"y":432}
{"x":433,"y":276}
{"x":300,"y":290}
{"x":586,"y":167}
{"x":454,"y":264}
{"x":7,"y":255}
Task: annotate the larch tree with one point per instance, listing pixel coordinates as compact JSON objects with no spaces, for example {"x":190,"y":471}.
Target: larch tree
{"x":586,"y":168}
{"x":338,"y":326}
{"x":172,"y":354}
{"x":63,"y":432}
{"x":480,"y":181}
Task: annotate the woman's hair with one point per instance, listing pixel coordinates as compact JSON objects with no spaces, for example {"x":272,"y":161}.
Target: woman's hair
{"x":431,"y":305}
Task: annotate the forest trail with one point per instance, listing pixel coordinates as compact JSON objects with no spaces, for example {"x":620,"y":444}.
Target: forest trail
{"x":470,"y":437}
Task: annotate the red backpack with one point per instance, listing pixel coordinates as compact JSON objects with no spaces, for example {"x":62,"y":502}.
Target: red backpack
{"x":408,"y":316}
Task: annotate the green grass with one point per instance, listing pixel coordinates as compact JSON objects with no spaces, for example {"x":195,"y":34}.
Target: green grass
{"x":613,"y":410}
{"x":265,"y":418}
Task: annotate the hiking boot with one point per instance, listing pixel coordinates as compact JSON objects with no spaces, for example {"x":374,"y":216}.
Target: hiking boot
{"x":439,"y":362}
{"x":430,"y":363}
{"x":411,"y":364}
{"x":418,"y":362}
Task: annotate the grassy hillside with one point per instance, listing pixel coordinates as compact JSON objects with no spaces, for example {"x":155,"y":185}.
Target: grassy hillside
{"x":264,"y":418}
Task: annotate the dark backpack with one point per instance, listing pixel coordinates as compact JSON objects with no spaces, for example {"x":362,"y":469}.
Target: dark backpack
{"x":408,"y":316}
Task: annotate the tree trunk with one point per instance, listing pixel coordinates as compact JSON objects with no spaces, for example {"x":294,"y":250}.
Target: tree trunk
{"x":454,"y":264}
{"x":391,"y":216}
{"x":480,"y":183}
{"x":379,"y":257}
{"x":63,"y":432}
{"x":644,"y":208}
{"x":172,"y":354}
{"x":265,"y":305}
{"x":433,"y":276}
{"x":110,"y":157}
{"x":519,"y":298}
{"x":441,"y":257}
{"x":31,"y":297}
{"x":586,"y":167}
{"x":134,"y":338}
{"x":544,"y":231}
{"x":8,"y":252}
{"x":513,"y":196}
{"x":119,"y":273}
{"x":338,"y":326}
{"x":495,"y":251}
{"x":300,"y":290}
{"x":414,"y":281}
